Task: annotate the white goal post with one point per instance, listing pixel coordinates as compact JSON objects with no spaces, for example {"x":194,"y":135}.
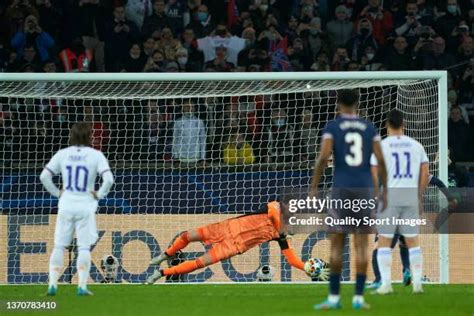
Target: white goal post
{"x":155,"y":197}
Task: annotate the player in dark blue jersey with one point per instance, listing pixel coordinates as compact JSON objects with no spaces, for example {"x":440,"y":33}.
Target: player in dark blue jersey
{"x":352,"y":140}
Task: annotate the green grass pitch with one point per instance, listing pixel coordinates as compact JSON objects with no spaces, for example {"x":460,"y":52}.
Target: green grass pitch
{"x":238,"y":299}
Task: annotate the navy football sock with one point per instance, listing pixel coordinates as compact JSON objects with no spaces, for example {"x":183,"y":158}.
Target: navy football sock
{"x":405,"y":257}
{"x":360,"y":284}
{"x":334,"y":283}
{"x":375,"y":265}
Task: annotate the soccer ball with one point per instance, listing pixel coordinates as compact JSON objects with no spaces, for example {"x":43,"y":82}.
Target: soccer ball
{"x":109,"y":265}
{"x":265,"y":273}
{"x":317,"y":269}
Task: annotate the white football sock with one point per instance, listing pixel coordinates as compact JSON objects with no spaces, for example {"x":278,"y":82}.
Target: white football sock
{"x":83,"y":266}
{"x":55,"y":265}
{"x":333,"y":299}
{"x":358,"y":299}
{"x":384,"y":259}
{"x":416,"y":264}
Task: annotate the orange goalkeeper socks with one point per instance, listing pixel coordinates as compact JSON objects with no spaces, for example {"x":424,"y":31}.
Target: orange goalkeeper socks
{"x":185,"y":267}
{"x":178,"y":244}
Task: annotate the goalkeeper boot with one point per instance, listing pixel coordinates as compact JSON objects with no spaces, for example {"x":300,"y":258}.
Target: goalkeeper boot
{"x":358,"y":302}
{"x":84,"y":292}
{"x":160,"y":258}
{"x":154,"y":277}
{"x":52,"y":290}
{"x":406,"y":277}
{"x":327,"y":304}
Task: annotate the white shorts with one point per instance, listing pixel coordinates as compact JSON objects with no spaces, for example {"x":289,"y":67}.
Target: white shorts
{"x":74,"y":220}
{"x":408,"y":214}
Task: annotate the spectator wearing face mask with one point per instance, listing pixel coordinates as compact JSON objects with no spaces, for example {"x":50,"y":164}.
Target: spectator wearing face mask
{"x":155,"y":62}
{"x":339,"y":30}
{"x":370,"y":61}
{"x":183,"y":61}
{"x":449,"y":20}
{"x":201,"y":22}
{"x":361,"y":40}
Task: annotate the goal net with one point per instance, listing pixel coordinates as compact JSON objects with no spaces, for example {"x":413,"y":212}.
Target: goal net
{"x":187,"y":150}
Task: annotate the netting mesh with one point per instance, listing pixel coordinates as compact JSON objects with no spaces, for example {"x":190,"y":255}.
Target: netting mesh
{"x":184,"y":154}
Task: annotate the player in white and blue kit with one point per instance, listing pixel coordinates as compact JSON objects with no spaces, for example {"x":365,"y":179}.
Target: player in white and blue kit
{"x":407,"y":167}
{"x":79,"y":166}
{"x":352,"y":141}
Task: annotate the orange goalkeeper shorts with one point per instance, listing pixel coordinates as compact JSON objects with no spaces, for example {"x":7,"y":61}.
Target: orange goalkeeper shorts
{"x":218,"y":235}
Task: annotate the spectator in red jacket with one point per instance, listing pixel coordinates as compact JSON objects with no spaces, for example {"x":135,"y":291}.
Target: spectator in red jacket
{"x":381,"y":20}
{"x":75,"y":57}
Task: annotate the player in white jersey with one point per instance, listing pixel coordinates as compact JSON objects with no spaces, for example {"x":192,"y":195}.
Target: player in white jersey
{"x":407,"y":170}
{"x":79,"y":166}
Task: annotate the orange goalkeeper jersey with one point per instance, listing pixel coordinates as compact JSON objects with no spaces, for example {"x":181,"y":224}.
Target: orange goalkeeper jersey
{"x":237,"y":235}
{"x":251,"y":230}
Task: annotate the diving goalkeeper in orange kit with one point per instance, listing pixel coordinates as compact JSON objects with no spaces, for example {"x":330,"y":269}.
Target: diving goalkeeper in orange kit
{"x":229,"y":238}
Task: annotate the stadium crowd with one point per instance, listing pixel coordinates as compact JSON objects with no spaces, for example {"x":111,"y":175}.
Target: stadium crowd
{"x":236,"y":35}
